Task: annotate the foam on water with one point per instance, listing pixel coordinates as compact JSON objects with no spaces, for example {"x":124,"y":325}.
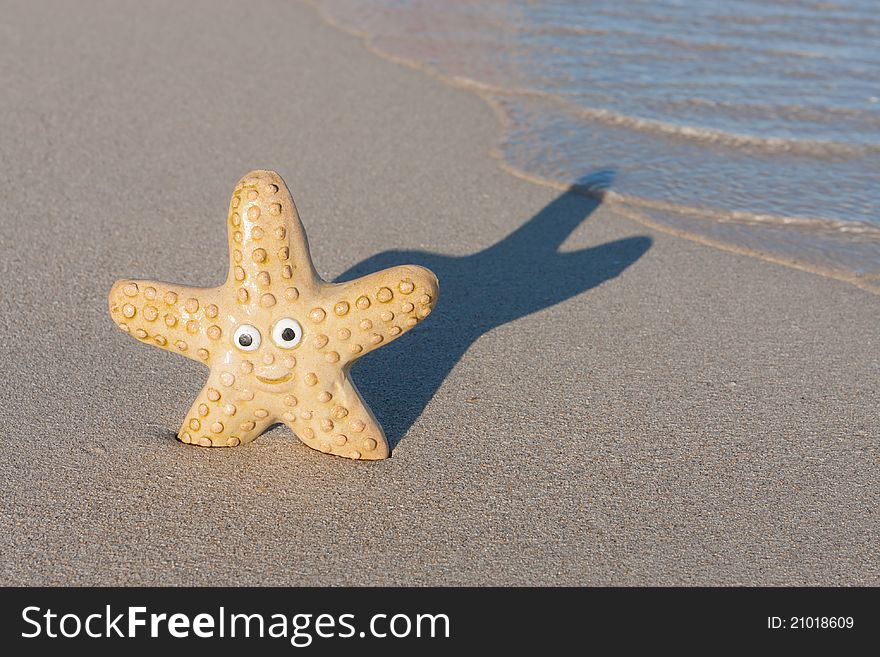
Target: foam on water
{"x":752,"y":125}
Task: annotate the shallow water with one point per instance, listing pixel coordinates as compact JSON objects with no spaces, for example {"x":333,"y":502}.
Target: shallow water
{"x":750,"y":124}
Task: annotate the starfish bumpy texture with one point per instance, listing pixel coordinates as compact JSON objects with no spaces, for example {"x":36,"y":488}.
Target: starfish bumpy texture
{"x":278,"y":340}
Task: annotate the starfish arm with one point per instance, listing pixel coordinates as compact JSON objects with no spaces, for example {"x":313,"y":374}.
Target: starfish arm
{"x":372,"y":311}
{"x":269,"y":259}
{"x":224,"y":415}
{"x":184,"y":320}
{"x":338,"y":423}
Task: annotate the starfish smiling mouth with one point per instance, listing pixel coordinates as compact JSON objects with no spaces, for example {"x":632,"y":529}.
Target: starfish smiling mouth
{"x":280,"y":379}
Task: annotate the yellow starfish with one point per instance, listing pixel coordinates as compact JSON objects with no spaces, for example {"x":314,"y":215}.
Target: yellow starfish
{"x":279,"y":340}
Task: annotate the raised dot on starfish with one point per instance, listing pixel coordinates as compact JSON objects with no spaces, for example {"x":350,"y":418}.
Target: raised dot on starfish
{"x":262,"y":369}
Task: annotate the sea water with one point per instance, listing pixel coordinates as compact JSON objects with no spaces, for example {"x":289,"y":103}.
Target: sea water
{"x":751,"y":124}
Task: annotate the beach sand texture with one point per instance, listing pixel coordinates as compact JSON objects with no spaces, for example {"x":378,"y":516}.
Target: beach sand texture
{"x":591,"y":402}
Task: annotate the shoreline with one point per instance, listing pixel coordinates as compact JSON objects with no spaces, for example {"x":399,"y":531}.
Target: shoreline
{"x":635,"y":208}
{"x":592,"y":402}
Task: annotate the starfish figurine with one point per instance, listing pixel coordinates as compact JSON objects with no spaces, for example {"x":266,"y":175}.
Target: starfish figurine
{"x":279,"y":341}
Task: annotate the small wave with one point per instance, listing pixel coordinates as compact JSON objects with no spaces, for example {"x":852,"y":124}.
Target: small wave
{"x":562,"y":30}
{"x":784,"y":19}
{"x":600,"y":185}
{"x":820,"y":114}
{"x":809,"y":147}
{"x":689,"y":44}
{"x":816,"y":224}
{"x":817,"y":148}
{"x":706,"y":46}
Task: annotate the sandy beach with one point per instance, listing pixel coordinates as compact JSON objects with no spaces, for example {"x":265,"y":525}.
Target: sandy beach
{"x":593,"y":402}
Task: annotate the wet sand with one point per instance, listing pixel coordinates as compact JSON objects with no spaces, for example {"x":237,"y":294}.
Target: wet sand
{"x":592,"y":402}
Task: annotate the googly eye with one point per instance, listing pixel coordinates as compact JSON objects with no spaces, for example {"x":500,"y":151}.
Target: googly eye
{"x":246,"y":337}
{"x":287,"y":333}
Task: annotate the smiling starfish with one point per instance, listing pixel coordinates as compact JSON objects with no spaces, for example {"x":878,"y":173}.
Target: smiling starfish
{"x":279,"y":340}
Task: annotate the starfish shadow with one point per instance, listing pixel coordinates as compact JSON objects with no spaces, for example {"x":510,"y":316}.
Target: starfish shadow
{"x":520,"y":275}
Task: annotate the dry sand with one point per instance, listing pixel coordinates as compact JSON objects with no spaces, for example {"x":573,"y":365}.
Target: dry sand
{"x":591,"y":403}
